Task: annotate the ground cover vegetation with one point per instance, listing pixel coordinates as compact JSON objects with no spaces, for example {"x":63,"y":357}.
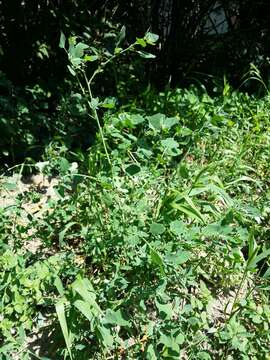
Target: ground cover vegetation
{"x":134,"y":221}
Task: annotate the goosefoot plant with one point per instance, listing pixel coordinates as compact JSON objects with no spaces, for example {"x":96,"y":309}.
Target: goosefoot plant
{"x":80,"y":54}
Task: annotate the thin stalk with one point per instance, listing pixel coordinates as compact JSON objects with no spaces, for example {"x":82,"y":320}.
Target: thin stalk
{"x":95,"y":115}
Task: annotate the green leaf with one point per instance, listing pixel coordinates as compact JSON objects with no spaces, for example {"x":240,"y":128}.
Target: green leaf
{"x":121,"y":36}
{"x":165,"y":310}
{"x":133,"y":169}
{"x":64,"y":165}
{"x":84,"y":308}
{"x":79,"y":49}
{"x":59,"y":286}
{"x":108,"y":103}
{"x":136,"y":119}
{"x":63,"y":233}
{"x":156,"y":122}
{"x":157,"y":229}
{"x":73,"y":73}
{"x":254,"y":260}
{"x":151,"y":353}
{"x":86,"y":290}
{"x":9,"y":186}
{"x":170,"y":122}
{"x":60,"y":311}
{"x":146,"y":55}
{"x":156,"y":259}
{"x":151,"y":38}
{"x":179,"y":258}
{"x":90,"y":58}
{"x":94,"y":103}
{"x":62,"y":41}
{"x":178,"y":227}
{"x":115,"y":318}
{"x":106,"y":336}
{"x":141,"y":42}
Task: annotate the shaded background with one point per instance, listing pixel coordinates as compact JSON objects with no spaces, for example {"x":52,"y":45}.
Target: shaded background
{"x":200,"y":40}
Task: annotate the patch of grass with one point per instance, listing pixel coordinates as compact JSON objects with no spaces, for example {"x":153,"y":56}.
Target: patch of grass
{"x":162,"y":254}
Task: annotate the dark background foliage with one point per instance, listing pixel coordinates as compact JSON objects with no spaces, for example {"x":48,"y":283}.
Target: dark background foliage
{"x":191,"y":46}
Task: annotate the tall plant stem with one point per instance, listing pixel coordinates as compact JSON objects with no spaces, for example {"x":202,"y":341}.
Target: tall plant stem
{"x":96,"y":117}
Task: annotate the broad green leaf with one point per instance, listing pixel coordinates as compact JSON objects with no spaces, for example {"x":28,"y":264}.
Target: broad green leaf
{"x":165,"y":310}
{"x":9,"y":186}
{"x":170,"y":146}
{"x":170,"y":122}
{"x":64,"y":165}
{"x":150,"y":352}
{"x":141,"y":42}
{"x":94,"y":103}
{"x":115,"y":318}
{"x":136,"y":119}
{"x":156,"y":122}
{"x":60,"y":311}
{"x":169,"y":143}
{"x":85,"y":308}
{"x":86,"y":290}
{"x":106,"y":336}
{"x":157,"y":229}
{"x":133,"y":169}
{"x":151,"y":38}
{"x":178,"y":258}
{"x":156,"y":259}
{"x":178,"y":227}
{"x":79,"y":50}
{"x":90,"y":58}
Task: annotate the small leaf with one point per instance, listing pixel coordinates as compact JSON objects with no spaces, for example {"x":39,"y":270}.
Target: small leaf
{"x":62,"y":41}
{"x":63,"y":233}
{"x":178,"y":227}
{"x":156,"y":122}
{"x":169,"y":122}
{"x":86,"y":290}
{"x":9,"y":186}
{"x":84,"y":308}
{"x":90,"y":58}
{"x":157,"y":260}
{"x":133,"y":169}
{"x":169,"y":143}
{"x":71,"y":70}
{"x":115,"y":318}
{"x":136,"y":119}
{"x":94,"y":103}
{"x":157,"y":229}
{"x":165,"y":310}
{"x":79,"y":50}
{"x":108,"y":103}
{"x":151,"y":353}
{"x":141,"y":42}
{"x":105,"y":335}
{"x":59,"y":285}
{"x":146,"y":55}
{"x":121,"y":36}
{"x":151,"y":38}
